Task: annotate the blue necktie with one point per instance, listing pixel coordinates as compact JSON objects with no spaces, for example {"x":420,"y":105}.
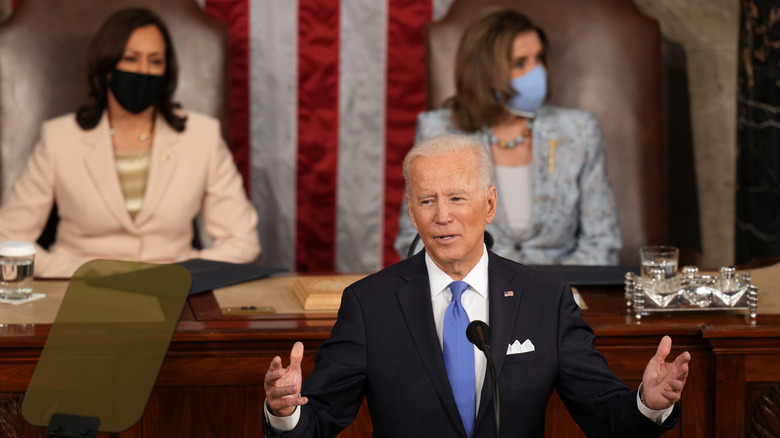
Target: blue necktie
{"x":459,"y":356}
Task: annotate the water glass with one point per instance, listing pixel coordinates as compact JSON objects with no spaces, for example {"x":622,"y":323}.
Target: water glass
{"x":16,"y":269}
{"x":658,"y":256}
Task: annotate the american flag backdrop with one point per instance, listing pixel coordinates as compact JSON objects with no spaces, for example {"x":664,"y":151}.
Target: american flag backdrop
{"x":324,"y":99}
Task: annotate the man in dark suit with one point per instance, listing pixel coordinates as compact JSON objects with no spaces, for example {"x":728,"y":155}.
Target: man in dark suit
{"x":400,"y":336}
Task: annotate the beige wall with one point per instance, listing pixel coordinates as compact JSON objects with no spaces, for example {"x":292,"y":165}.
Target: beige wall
{"x":709,"y":32}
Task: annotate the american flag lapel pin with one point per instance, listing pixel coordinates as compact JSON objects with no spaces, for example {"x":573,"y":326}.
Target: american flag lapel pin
{"x":509,"y":293}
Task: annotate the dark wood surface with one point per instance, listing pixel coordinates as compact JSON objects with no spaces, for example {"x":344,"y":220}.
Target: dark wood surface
{"x":211,"y":381}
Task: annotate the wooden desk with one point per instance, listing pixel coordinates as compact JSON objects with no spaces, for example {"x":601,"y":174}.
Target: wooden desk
{"x":210,"y":384}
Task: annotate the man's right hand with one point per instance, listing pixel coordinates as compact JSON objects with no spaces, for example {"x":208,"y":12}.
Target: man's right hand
{"x":283,"y":385}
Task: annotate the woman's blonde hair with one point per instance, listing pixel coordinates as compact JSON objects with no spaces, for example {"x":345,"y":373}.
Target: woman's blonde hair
{"x":482,"y":66}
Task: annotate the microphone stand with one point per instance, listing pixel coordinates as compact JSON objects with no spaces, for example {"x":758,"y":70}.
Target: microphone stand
{"x":493,"y":376}
{"x":478,"y":334}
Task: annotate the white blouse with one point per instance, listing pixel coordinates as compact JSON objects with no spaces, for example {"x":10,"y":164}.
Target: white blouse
{"x":516,"y":195}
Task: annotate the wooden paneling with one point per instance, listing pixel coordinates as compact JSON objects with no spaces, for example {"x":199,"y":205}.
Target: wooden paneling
{"x":211,"y":381}
{"x":746,"y":364}
{"x":762,"y":368}
{"x":763,"y":419}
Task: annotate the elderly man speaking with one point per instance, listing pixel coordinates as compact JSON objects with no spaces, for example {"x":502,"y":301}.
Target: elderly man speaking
{"x":400,"y":338}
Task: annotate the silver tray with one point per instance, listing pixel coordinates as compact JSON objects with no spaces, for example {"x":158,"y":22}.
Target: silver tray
{"x":691,"y":292}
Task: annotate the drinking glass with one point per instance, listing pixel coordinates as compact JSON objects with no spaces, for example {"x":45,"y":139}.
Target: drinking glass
{"x":658,"y":256}
{"x":16,"y":269}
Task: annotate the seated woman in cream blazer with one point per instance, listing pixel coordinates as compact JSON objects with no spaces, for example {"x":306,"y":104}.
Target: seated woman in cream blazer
{"x":131,"y":171}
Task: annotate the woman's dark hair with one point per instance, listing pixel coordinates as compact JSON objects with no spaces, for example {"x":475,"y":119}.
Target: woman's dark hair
{"x":482,"y":66}
{"x":104,"y":53}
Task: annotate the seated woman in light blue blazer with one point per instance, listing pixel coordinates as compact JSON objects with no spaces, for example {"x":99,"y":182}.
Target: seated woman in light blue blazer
{"x":555,"y":202}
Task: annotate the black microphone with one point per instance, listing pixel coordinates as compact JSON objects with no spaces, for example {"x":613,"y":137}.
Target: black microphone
{"x":478,"y":333}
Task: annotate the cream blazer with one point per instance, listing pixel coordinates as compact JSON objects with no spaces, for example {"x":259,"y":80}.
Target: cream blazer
{"x":190,"y":172}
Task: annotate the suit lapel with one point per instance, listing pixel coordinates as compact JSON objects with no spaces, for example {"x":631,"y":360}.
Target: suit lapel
{"x":162,"y":165}
{"x":100,"y":164}
{"x":503,"y":308}
{"x":415,"y":302}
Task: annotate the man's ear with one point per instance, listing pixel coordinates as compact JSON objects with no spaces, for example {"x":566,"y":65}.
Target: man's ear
{"x":492,"y":202}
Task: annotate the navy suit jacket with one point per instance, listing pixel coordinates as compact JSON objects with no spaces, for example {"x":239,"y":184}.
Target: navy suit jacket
{"x":384,"y":347}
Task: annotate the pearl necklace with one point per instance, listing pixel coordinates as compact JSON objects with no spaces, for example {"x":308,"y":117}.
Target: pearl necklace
{"x":520,"y":139}
{"x":143,"y":137}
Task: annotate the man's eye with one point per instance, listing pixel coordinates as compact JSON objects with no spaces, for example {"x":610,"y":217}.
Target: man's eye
{"x":129,"y":59}
{"x":157,"y":61}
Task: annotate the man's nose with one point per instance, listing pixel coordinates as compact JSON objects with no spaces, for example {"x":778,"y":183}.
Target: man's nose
{"x":443,"y":213}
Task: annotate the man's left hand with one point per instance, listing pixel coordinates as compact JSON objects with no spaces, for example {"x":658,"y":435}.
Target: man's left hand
{"x":663,"y":381}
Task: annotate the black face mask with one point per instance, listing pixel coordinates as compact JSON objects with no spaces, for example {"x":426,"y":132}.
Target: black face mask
{"x":135,"y":91}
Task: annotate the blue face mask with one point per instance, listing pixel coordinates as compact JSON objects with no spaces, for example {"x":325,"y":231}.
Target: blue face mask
{"x":531,"y":90}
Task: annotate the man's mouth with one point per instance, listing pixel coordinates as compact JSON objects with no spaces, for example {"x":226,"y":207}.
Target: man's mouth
{"x":446,"y":237}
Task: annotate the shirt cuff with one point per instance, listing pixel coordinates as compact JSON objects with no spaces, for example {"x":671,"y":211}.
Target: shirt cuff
{"x":658,"y":416}
{"x":282,"y":424}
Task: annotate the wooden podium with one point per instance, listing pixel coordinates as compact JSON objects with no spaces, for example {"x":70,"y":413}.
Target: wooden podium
{"x":211,"y":382}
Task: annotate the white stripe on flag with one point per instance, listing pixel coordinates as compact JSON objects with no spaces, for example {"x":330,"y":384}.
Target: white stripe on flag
{"x":273,"y":46}
{"x":362,"y":79}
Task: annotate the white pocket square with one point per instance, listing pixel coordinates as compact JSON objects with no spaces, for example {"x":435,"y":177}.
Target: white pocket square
{"x":518,"y":348}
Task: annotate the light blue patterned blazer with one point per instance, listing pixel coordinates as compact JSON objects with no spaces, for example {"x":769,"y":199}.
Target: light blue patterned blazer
{"x":574,"y":214}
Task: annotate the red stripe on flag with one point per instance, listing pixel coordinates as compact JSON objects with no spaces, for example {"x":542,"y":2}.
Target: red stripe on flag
{"x":318,"y":124}
{"x":405,"y":99}
{"x":236,"y":14}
